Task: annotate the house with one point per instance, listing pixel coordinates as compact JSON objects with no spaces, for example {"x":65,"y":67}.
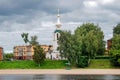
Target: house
{"x":1,"y":53}
{"x":26,"y":52}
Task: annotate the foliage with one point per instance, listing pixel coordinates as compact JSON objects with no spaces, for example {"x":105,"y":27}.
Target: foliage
{"x":116,"y":29}
{"x":69,"y":48}
{"x":115,"y":51}
{"x":39,"y":55}
{"x":33,"y":40}
{"x":65,"y":41}
{"x":25,"y":37}
{"x":8,"y":56}
{"x":83,"y":61}
{"x":91,"y":38}
{"x":116,"y":42}
{"x":115,"y":57}
{"x":87,"y":41}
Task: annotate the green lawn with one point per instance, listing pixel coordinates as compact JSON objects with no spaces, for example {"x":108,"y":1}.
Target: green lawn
{"x":100,"y":63}
{"x":53,"y":64}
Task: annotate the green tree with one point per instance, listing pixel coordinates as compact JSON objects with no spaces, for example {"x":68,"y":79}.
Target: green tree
{"x":65,"y":45}
{"x":70,"y":49}
{"x":116,"y":42}
{"x":25,"y":37}
{"x":39,"y":54}
{"x":8,"y":56}
{"x":33,"y":40}
{"x":86,"y":42}
{"x":116,"y":29}
{"x":115,"y":51}
{"x":91,"y":38}
{"x":115,"y":57}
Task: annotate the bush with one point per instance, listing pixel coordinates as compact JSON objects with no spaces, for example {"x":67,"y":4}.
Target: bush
{"x":115,"y":57}
{"x":82,"y":62}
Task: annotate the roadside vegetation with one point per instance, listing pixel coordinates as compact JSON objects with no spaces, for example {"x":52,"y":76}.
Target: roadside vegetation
{"x":54,"y":64}
{"x":115,"y":47}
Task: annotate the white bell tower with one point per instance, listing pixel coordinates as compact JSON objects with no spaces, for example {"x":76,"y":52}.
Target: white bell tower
{"x":57,"y":34}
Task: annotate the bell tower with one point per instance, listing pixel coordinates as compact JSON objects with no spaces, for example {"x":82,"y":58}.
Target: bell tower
{"x":57,"y":34}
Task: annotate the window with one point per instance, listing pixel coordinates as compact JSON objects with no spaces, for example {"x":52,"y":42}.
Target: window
{"x":57,"y":36}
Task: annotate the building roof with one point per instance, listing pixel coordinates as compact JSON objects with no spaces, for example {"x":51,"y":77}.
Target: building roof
{"x":1,"y":47}
{"x":57,"y":31}
{"x":30,"y":45}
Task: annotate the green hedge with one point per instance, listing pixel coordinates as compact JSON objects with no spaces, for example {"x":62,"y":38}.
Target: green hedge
{"x":102,"y":57}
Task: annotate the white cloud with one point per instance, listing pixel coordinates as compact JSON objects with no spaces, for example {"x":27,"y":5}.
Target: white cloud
{"x":47,"y":24}
{"x":106,"y":1}
{"x":90,"y":4}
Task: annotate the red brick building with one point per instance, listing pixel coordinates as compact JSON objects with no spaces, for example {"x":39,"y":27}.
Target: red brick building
{"x":1,"y":53}
{"x":109,"y":44}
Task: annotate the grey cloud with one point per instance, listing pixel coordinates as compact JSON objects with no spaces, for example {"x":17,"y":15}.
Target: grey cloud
{"x":38,"y":17}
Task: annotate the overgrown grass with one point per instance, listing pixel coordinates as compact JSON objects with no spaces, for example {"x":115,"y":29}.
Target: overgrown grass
{"x":100,"y":63}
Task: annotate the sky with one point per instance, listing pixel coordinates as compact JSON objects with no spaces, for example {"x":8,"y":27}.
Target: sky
{"x":39,"y":17}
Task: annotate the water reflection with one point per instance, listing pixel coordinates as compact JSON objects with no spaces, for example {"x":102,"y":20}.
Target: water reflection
{"x":59,"y":77}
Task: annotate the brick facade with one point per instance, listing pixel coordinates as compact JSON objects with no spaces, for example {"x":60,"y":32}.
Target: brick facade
{"x":1,"y":53}
{"x":109,"y":44}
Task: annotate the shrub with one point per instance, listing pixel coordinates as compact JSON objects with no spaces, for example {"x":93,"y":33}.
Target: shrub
{"x":115,"y":57}
{"x":82,"y":62}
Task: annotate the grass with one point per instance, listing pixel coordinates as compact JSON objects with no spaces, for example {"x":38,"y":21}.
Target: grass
{"x":53,"y":64}
{"x":48,"y":64}
{"x":100,"y":63}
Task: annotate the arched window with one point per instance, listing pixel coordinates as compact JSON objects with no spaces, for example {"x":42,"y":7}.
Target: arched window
{"x":57,"y":36}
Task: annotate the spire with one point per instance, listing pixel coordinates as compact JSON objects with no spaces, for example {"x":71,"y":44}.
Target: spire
{"x":58,"y":24}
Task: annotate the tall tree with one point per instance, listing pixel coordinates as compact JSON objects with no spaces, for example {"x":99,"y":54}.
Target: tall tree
{"x":33,"y":40}
{"x":25,"y":37}
{"x":39,"y":54}
{"x":86,"y":41}
{"x":116,"y":29}
{"x":65,"y":45}
{"x":70,"y":49}
{"x":116,"y":42}
{"x":115,"y":51}
{"x":92,"y":39}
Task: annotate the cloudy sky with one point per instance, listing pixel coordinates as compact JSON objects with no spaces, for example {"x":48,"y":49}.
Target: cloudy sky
{"x":38,"y":17}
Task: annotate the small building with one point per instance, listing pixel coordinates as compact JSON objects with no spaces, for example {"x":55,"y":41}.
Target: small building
{"x":1,"y":53}
{"x":26,"y":52}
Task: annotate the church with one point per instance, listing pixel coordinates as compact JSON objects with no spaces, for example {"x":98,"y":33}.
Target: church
{"x":55,"y":53}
